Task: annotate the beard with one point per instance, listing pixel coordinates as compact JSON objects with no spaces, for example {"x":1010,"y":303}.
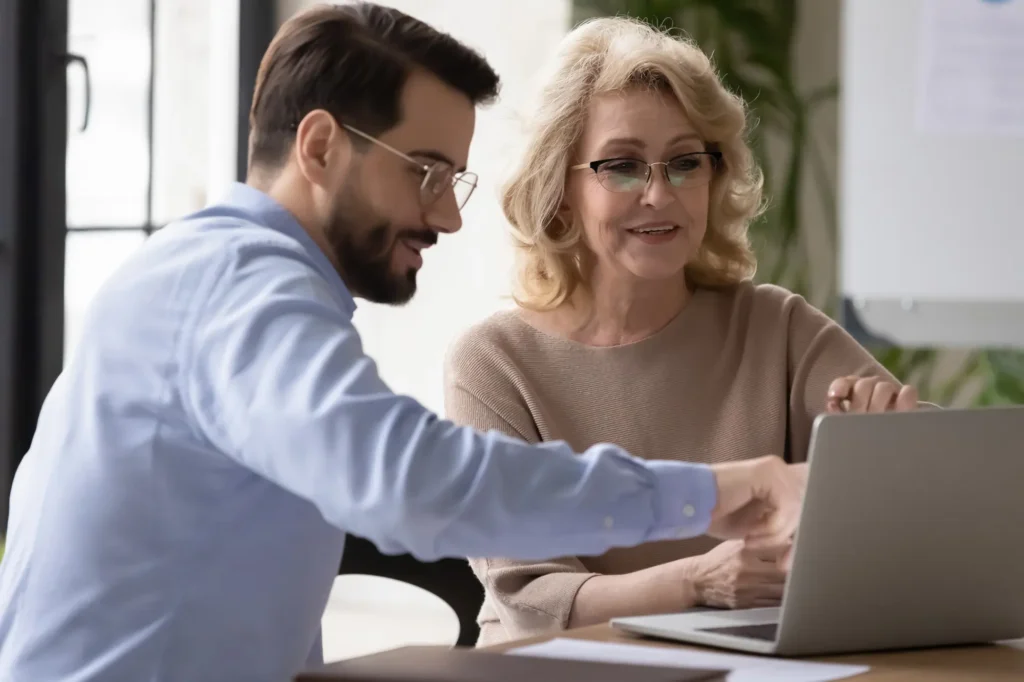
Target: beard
{"x":363,"y":244}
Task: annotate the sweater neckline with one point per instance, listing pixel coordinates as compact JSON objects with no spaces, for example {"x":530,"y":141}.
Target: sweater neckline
{"x":668,"y":331}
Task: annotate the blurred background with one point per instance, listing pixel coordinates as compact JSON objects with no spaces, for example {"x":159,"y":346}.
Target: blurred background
{"x":892,"y":188}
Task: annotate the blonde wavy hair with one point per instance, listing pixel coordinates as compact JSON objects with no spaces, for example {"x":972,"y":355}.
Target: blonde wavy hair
{"x":612,"y":55}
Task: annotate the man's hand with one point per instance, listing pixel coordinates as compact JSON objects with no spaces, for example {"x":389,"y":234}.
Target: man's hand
{"x":758,"y":499}
{"x":870,"y":394}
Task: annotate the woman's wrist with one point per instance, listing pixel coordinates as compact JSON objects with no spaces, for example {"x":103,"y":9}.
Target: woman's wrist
{"x":689,"y":586}
{"x":666,"y":588}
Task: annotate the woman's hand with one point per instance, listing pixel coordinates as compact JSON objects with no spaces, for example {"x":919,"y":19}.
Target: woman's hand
{"x":870,"y":394}
{"x":737,"y":575}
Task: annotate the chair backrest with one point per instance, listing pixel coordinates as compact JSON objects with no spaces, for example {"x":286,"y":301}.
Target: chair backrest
{"x":450,"y":579}
{"x":367,"y":613}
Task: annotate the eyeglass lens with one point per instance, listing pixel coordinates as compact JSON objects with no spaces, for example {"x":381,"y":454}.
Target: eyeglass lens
{"x":627,"y":175}
{"x":440,"y":177}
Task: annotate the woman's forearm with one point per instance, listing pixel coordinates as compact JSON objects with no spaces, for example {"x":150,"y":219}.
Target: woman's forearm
{"x":659,"y":589}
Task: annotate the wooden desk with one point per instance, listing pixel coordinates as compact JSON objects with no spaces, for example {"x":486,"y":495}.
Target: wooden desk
{"x":996,"y":663}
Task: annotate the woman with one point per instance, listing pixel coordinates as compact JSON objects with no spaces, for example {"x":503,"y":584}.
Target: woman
{"x":637,"y":323}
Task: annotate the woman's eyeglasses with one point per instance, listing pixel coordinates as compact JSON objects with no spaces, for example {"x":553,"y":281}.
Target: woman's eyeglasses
{"x":630,"y":175}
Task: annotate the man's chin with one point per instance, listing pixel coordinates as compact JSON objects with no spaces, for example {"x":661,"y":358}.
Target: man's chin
{"x":398,"y":291}
{"x":405,"y":288}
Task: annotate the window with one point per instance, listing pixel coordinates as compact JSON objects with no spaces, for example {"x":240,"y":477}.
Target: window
{"x":151,"y":128}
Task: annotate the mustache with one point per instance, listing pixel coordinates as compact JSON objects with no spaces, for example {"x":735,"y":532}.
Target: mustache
{"x":422,"y":235}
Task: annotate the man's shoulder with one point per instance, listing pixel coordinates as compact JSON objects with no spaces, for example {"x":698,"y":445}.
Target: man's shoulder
{"x":220,"y":234}
{"x":222,"y":248}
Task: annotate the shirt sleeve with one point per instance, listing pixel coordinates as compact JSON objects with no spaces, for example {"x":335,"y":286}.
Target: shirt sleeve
{"x":275,"y":377}
{"x":527,"y":598}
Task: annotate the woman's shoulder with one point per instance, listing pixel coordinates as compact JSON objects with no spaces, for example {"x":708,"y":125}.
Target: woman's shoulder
{"x":762,"y":311}
{"x":756,"y":301}
{"x":496,"y":340}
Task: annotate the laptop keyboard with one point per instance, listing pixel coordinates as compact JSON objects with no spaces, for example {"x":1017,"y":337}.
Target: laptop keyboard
{"x":766,"y":631}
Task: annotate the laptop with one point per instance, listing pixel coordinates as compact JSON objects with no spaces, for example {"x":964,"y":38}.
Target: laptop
{"x":911,"y":535}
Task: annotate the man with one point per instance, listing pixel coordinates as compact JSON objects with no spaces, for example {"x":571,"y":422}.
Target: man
{"x":182,"y":509}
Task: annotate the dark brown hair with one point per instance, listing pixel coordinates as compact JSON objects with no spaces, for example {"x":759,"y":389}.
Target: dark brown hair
{"x":352,"y":60}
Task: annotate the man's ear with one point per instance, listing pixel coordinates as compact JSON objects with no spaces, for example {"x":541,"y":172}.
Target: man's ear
{"x":322,"y":149}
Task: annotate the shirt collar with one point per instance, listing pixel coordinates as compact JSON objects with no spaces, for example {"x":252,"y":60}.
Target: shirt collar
{"x":269,"y":213}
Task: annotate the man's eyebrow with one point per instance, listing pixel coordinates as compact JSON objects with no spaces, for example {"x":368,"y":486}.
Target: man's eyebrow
{"x":437,"y":156}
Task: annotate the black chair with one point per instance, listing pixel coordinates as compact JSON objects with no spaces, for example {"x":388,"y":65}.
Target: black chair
{"x":450,"y":579}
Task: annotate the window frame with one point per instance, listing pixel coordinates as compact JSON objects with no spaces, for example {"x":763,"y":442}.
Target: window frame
{"x":33,"y":224}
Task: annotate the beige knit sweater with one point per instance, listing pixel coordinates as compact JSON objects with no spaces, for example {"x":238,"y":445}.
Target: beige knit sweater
{"x":737,"y":374}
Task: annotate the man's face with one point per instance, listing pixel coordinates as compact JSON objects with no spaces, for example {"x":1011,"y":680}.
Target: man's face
{"x":378,"y":220}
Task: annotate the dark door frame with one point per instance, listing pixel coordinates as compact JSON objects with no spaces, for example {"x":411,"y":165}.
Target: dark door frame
{"x":33,"y":120}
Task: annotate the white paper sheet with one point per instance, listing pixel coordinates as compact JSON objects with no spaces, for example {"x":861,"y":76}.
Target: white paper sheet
{"x":744,"y":668}
{"x":971,"y":70}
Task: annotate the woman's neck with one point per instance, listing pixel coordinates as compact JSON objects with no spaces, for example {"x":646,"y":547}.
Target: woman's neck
{"x":614,"y":311}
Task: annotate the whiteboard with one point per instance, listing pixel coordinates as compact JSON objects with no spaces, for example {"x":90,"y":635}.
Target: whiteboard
{"x":932,"y":171}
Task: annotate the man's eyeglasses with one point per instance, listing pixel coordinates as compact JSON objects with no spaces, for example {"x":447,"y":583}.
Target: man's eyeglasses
{"x":437,"y":176}
{"x":630,"y":175}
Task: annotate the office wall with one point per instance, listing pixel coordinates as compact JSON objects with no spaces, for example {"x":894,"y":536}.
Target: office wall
{"x":466,"y":276}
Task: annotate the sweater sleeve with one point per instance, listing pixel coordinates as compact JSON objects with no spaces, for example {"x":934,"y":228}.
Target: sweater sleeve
{"x":527,"y":598}
{"x":820,"y":351}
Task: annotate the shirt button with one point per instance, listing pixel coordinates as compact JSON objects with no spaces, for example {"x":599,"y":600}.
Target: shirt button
{"x":609,"y":522}
{"x":689,"y":511}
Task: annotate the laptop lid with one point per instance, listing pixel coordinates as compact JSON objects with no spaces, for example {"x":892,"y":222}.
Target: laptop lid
{"x":912,"y":533}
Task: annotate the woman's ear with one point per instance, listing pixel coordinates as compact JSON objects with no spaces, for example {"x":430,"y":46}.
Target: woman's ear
{"x":564,"y":212}
{"x":562,"y":222}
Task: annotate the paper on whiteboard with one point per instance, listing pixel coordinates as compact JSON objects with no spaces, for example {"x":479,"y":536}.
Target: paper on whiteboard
{"x":971,"y":70}
{"x":744,"y":668}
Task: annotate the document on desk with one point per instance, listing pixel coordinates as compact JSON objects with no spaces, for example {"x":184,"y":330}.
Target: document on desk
{"x":743,"y":668}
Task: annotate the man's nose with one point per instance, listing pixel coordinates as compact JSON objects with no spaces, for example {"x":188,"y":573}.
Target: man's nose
{"x":444,"y":214}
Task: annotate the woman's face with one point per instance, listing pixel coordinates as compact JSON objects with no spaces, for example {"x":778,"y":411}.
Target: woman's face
{"x":637,"y":227}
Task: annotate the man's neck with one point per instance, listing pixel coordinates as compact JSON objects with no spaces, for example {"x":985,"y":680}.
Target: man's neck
{"x":289,"y":194}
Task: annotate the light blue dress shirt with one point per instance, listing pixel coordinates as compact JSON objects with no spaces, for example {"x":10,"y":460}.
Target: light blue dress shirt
{"x":181,"y":512}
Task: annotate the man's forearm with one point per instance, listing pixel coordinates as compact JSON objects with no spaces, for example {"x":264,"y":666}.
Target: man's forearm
{"x":659,"y":589}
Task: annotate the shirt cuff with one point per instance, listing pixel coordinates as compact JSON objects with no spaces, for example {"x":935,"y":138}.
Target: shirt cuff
{"x":685,"y":496}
